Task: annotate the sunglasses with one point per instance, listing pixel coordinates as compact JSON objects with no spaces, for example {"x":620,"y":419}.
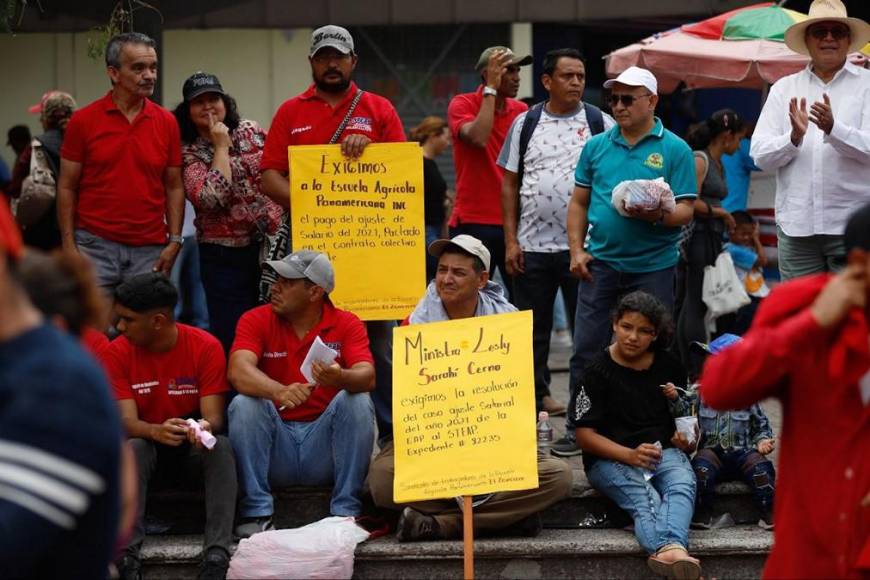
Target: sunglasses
{"x":626,"y":100}
{"x":822,"y":32}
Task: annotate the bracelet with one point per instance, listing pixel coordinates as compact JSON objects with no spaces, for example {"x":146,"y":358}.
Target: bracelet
{"x":176,"y":239}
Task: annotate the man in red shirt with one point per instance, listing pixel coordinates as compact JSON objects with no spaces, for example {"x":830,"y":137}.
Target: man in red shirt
{"x":164,"y":373}
{"x":809,"y":345}
{"x":313,"y":118}
{"x":480,"y":122}
{"x":287,"y":429}
{"x":120,"y":172}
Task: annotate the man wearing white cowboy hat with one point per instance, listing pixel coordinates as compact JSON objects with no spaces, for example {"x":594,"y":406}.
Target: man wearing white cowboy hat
{"x":814,"y":131}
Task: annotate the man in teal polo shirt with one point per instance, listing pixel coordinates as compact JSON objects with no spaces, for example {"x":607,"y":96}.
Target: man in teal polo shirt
{"x":623,"y":254}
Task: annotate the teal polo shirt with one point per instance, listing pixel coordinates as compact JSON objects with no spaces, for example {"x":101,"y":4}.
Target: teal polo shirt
{"x":628,"y":244}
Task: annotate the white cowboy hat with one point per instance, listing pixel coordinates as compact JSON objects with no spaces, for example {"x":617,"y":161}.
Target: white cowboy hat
{"x":827,"y":11}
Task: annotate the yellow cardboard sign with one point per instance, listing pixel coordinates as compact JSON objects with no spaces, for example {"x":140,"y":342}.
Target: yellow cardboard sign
{"x":464,"y":407}
{"x":366,"y":214}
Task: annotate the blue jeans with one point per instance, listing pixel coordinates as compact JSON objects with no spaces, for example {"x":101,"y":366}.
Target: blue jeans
{"x":661,"y":507}
{"x":185,"y":275}
{"x":595,"y":302}
{"x":231,"y":278}
{"x":333,"y":449}
{"x":535,"y":289}
{"x":714,"y":465}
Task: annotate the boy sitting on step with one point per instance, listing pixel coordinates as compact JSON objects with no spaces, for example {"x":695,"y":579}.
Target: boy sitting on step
{"x":733,"y":446}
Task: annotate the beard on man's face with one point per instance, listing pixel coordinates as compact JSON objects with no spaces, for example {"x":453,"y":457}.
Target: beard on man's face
{"x":332,"y":82}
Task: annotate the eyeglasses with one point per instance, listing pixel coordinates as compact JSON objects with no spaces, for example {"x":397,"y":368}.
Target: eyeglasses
{"x":626,"y":100}
{"x":822,"y":32}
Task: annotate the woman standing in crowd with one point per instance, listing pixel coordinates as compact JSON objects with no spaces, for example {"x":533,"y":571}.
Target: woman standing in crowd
{"x":221,"y":160}
{"x":433,"y":134}
{"x":717,"y":136}
{"x":632,"y":452}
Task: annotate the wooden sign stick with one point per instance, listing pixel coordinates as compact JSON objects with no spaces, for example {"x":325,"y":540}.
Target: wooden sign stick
{"x":468,"y":537}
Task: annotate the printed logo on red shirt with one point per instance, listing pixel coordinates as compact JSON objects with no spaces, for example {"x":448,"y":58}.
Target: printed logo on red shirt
{"x":336,"y":346}
{"x":296,"y":130}
{"x":360,"y":124}
{"x":144,"y":388}
{"x":282,"y":354}
{"x":181,"y":386}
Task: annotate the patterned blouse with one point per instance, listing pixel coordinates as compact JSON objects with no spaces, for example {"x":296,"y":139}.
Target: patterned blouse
{"x":230,"y":214}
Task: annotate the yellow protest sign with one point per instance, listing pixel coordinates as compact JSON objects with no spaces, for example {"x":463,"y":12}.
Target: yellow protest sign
{"x":366,"y":214}
{"x":464,"y":407}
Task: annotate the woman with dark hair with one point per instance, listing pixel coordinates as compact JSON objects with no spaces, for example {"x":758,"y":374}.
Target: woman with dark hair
{"x":717,"y":136}
{"x":632,"y":452}
{"x":221,"y":163}
{"x":433,"y":135}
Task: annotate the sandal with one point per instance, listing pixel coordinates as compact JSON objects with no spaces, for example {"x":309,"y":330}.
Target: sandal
{"x":686,"y":568}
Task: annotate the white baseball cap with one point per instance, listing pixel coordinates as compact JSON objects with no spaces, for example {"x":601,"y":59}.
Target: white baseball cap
{"x":467,"y":243}
{"x":634,"y":76}
{"x":307,"y":264}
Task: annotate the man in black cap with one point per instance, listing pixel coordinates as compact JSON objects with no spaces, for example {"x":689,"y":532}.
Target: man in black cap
{"x":479,"y":123}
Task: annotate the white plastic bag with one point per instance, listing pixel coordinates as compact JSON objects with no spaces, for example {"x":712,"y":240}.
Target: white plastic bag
{"x":643,"y":194}
{"x":722,"y":291}
{"x":323,"y":549}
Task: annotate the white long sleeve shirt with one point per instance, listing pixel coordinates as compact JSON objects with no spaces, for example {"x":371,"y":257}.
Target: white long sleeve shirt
{"x":825,"y":178}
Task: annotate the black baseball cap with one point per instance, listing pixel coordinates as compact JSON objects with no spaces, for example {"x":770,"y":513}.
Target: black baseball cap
{"x":200,"y":83}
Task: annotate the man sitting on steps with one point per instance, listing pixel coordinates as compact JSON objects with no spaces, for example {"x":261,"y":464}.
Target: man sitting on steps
{"x":462,"y":289}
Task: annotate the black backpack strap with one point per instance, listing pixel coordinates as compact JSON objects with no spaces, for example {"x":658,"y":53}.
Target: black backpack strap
{"x":595,"y":118}
{"x":533,"y":115}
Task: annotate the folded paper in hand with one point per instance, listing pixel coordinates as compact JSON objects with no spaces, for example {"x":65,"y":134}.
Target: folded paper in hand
{"x":643,"y":195}
{"x":318,"y":352}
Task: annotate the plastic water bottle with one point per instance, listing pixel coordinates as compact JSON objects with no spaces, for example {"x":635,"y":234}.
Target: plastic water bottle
{"x":545,"y":433}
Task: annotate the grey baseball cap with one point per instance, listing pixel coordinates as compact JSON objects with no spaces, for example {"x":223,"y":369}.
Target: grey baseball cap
{"x":515,"y":60}
{"x":306,"y":264}
{"x":332,"y":36}
{"x":468,"y":243}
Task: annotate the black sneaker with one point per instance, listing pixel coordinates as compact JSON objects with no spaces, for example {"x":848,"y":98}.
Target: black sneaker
{"x":214,"y":565}
{"x":416,"y":527}
{"x":247,"y":527}
{"x":702,"y":519}
{"x":565,"y":447}
{"x":765,"y":522}
{"x":130,"y":568}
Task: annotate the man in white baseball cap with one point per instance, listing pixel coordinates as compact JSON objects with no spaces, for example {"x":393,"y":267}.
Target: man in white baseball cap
{"x":813,"y":131}
{"x":462,"y":289}
{"x":623,"y":253}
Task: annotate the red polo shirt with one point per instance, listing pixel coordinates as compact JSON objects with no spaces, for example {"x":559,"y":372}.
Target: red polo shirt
{"x":167,"y":385}
{"x":307,"y":119}
{"x":823,"y":471}
{"x":120,"y":194}
{"x":280,"y":352}
{"x":478,"y":178}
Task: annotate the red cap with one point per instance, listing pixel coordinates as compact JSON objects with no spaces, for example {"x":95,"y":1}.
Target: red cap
{"x":10,"y":235}
{"x":37,"y":108}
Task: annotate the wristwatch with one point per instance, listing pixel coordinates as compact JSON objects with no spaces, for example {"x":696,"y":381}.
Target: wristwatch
{"x":177,"y":239}
{"x":489,"y":91}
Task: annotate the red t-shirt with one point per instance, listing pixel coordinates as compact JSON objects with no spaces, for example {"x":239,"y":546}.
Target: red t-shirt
{"x":94,"y":341}
{"x":120,"y":193}
{"x":307,"y":119}
{"x":280,"y":352}
{"x":478,"y":178}
{"x":169,"y":384}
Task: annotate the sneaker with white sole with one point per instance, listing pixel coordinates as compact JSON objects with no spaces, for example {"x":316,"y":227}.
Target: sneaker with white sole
{"x":565,"y":447}
{"x":250,"y":526}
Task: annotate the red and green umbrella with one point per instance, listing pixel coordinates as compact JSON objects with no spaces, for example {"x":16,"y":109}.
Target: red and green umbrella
{"x":765,"y":21}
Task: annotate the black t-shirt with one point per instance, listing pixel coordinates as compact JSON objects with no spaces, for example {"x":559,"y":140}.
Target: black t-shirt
{"x":625,"y":405}
{"x":60,"y":433}
{"x":434,"y":191}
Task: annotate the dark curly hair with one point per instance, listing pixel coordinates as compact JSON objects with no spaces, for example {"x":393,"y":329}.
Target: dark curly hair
{"x":146,"y":292}
{"x":188,"y":129}
{"x":652,"y":308}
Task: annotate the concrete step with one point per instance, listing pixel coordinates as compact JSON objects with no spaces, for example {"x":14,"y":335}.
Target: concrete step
{"x":735,"y":552}
{"x":183,"y":512}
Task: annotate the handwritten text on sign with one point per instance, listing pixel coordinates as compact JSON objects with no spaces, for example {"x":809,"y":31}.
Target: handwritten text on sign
{"x":464,"y":407}
{"x":366,"y":214}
